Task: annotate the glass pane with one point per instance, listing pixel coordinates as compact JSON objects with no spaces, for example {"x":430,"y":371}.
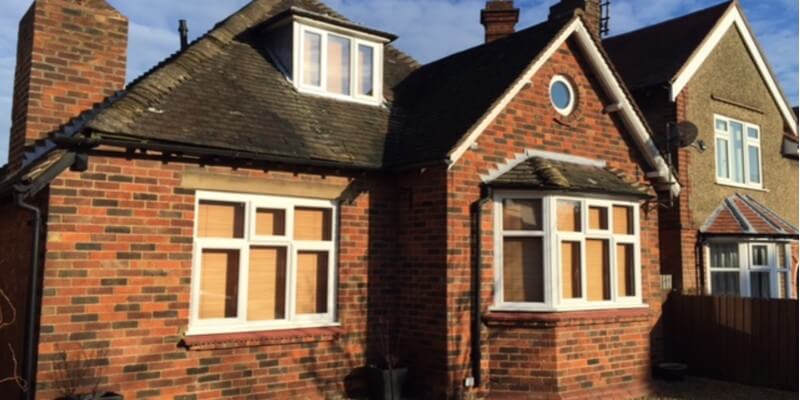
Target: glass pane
{"x":571,"y":270}
{"x":752,"y":133}
{"x":338,"y":64}
{"x":626,"y":274}
{"x":523,"y":270}
{"x":312,"y":59}
{"x":366,"y":68}
{"x":725,"y":283}
{"x":312,"y":282}
{"x":598,"y":218}
{"x":560,"y":95}
{"x":569,"y":216}
{"x":623,"y":220}
{"x":270,"y":222}
{"x":759,"y":285}
{"x":312,"y":224}
{"x":266,"y":297}
{"x":723,"y":166}
{"x":738,"y":151}
{"x":781,"y":254}
{"x":219,"y":284}
{"x":783,"y":292}
{"x":725,"y":256}
{"x":598,"y":270}
{"x":754,"y":158}
{"x":760,"y":256}
{"x":522,"y":215}
{"x":220,"y":220}
{"x":722,"y":125}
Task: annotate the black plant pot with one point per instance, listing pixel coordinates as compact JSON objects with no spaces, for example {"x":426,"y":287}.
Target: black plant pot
{"x":385,"y":384}
{"x":671,"y":372}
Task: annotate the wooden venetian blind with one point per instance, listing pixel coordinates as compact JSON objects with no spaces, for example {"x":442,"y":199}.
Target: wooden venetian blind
{"x":218,"y":219}
{"x":623,"y":220}
{"x":569,"y":216}
{"x":571,"y":269}
{"x":312,"y":282}
{"x":598,"y":218}
{"x":626,"y":283}
{"x":219,"y":284}
{"x":522,"y":215}
{"x":598,"y":270}
{"x":270,"y":222}
{"x":312,"y":224}
{"x":266,"y":298}
{"x":523,"y":273}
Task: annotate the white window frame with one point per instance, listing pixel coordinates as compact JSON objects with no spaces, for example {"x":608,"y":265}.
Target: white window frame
{"x":747,"y":142}
{"x":553,"y":299}
{"x":198,"y":326}
{"x":572,"y":100}
{"x":745,"y":249}
{"x":355,"y":42}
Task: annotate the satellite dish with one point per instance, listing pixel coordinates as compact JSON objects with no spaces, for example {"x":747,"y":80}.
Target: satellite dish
{"x":687,"y":133}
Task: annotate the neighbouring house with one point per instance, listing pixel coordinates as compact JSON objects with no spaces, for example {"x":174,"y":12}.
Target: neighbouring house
{"x":252,"y":217}
{"x":733,"y":230}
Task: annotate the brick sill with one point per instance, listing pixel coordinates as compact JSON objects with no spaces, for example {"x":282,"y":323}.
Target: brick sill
{"x":571,"y":318}
{"x":257,"y":339}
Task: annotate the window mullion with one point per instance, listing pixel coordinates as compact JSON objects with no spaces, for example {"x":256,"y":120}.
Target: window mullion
{"x":244,"y":282}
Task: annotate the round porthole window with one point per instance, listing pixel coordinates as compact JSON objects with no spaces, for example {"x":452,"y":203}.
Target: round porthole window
{"x":562,"y":95}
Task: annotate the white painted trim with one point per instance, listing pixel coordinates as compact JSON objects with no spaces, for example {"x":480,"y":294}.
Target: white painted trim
{"x":746,"y":266}
{"x":733,"y":17}
{"x":571,"y":105}
{"x":551,"y":239}
{"x":251,"y":203}
{"x":609,"y":82}
{"x":529,"y":153}
{"x":747,"y":141}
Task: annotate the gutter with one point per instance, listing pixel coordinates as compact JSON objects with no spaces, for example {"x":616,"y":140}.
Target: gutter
{"x":475,"y":331}
{"x":34,"y":300}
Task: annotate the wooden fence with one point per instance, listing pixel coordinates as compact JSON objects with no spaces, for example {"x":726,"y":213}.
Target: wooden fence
{"x":749,"y":341}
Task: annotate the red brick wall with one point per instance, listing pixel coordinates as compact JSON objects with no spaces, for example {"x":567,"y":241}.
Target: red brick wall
{"x":530,"y":122}
{"x":117,"y":277}
{"x":70,"y":55}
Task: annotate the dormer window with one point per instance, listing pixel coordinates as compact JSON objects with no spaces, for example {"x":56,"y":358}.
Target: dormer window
{"x":329,"y":57}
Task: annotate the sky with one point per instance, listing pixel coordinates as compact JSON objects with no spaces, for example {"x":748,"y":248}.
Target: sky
{"x":427,"y":29}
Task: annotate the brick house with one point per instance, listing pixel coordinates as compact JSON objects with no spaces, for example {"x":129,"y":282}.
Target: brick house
{"x":247,"y":218}
{"x":733,"y":229}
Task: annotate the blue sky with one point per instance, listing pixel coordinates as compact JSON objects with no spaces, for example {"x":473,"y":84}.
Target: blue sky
{"x":428,"y":29}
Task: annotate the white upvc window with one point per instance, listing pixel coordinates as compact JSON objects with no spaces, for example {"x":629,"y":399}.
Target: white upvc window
{"x":758,"y":269}
{"x":338,"y":65}
{"x":738,"y":153}
{"x":563,"y":253}
{"x":262,"y":263}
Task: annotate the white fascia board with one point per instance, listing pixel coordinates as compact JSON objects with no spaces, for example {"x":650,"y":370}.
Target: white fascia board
{"x":610,"y":83}
{"x":733,"y":17}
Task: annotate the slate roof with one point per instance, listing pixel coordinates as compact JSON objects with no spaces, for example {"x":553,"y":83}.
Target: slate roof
{"x":441,"y":101}
{"x":654,"y":55}
{"x":740,"y":214}
{"x":225,"y":92}
{"x":546,"y":174}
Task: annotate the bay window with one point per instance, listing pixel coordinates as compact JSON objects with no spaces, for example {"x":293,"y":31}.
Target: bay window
{"x":558,"y":253}
{"x":749,"y":269}
{"x":262,"y":262}
{"x":738,"y":152}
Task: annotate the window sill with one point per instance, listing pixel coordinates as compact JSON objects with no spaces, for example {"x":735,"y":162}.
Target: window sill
{"x":263,"y":338}
{"x":742,"y":186}
{"x":542,"y":319}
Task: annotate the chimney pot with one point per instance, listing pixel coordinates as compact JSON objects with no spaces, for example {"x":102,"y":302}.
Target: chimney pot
{"x":500,"y":18}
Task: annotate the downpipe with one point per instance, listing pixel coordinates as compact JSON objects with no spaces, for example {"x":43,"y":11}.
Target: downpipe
{"x":34,"y":300}
{"x":475,"y":334}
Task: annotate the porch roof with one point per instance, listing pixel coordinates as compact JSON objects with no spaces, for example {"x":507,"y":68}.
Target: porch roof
{"x":740,"y":214}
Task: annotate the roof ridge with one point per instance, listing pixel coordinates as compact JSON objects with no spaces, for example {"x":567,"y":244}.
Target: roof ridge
{"x":730,"y":202}
{"x":761,"y":209}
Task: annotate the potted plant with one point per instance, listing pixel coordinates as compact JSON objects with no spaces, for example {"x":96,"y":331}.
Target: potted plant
{"x":82,"y":370}
{"x":386,"y":377}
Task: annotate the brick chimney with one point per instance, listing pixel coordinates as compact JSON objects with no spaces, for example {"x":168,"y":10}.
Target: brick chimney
{"x":71,"y":54}
{"x":499,"y":18}
{"x":565,"y":9}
